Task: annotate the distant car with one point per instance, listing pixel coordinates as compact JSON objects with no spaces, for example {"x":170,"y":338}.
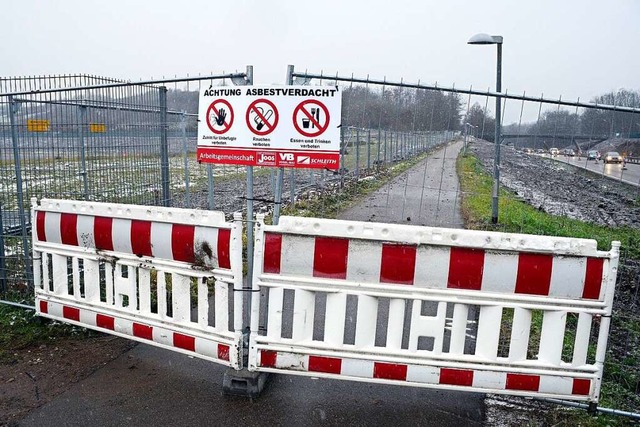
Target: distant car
{"x":528,"y":150}
{"x":540,"y":151}
{"x":554,"y":151}
{"x":592,"y":155}
{"x":568,"y":152}
{"x":612,"y":157}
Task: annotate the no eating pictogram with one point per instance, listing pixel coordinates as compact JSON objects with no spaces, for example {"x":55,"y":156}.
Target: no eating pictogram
{"x":220,"y":116}
{"x":262,"y":117}
{"x":311,"y":118}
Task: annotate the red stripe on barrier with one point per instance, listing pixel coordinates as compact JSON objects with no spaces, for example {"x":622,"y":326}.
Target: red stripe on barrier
{"x":534,"y":274}
{"x":105,"y":322}
{"x":329,"y":365}
{"x":40,"y":230}
{"x":466,"y":266}
{"x":461,"y":377}
{"x":523,"y":382}
{"x":44,"y":307}
{"x":390,"y":371}
{"x":102,"y":232}
{"x":330,"y":257}
{"x":224,"y":243}
{"x":71,"y":313}
{"x":185,"y":342}
{"x":182,"y":237}
{"x":141,"y":237}
{"x":581,"y":386}
{"x":398,"y":264}
{"x":223,"y":352}
{"x":272,"y":253}
{"x":268,"y":358}
{"x":143,"y":331}
{"x":593,"y":278}
{"x":69,"y":229}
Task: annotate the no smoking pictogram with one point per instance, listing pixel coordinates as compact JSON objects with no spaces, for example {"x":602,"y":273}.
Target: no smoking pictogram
{"x":220,"y":116}
{"x":262,"y":117}
{"x":311,"y":118}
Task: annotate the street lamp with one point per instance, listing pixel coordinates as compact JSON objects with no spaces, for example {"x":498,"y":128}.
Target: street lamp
{"x":497,"y":40}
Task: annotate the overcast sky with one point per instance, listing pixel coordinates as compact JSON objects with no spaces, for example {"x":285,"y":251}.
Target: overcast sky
{"x":573,"y":48}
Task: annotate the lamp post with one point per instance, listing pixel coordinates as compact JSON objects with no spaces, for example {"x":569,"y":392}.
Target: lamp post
{"x":497,"y":40}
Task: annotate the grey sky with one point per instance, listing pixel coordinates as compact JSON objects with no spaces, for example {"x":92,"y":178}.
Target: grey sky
{"x":573,"y":48}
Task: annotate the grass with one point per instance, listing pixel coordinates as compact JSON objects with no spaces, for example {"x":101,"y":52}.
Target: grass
{"x":621,"y":375}
{"x":518,"y":217}
{"x":21,"y":328}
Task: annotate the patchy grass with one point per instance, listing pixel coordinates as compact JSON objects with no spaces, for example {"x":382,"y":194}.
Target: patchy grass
{"x":621,"y":375}
{"x":21,"y":328}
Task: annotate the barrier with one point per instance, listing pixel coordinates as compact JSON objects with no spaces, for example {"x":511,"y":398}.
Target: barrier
{"x":140,"y":272}
{"x":429,"y":307}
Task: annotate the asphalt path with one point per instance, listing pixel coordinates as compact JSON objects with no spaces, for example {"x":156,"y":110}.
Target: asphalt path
{"x":152,"y":386}
{"x":629,"y":172}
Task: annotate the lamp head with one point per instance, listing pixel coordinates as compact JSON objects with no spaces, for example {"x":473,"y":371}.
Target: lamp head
{"x":483,"y":38}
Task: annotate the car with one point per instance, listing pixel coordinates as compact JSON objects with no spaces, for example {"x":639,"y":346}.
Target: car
{"x":540,"y":151}
{"x":568,"y":152}
{"x":612,"y":157}
{"x":554,"y":151}
{"x":592,"y":155}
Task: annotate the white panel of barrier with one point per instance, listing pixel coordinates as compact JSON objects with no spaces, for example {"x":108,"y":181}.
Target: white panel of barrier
{"x":141,"y":272}
{"x":431,"y":307}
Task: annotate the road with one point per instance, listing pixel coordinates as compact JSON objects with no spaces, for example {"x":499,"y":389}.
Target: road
{"x":629,"y":173}
{"x":151,"y":386}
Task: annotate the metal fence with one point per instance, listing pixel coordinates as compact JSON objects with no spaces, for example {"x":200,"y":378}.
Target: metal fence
{"x":578,"y":183}
{"x":93,"y":138}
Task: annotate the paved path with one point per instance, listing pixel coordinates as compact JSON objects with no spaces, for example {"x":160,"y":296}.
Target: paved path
{"x":426,"y":195}
{"x":151,"y":386}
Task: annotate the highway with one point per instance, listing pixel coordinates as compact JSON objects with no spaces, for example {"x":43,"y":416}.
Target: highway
{"x":629,"y":173}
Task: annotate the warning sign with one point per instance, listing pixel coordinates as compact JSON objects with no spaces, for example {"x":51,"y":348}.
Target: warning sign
{"x":311,"y":118}
{"x":38,"y":125}
{"x":220,"y":116}
{"x":262,"y":117}
{"x":283,"y":126}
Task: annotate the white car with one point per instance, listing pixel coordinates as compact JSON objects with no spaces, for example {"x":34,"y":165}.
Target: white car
{"x":612,"y":157}
{"x":554,"y":151}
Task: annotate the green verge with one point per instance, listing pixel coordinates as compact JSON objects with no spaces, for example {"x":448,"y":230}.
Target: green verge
{"x":516,"y":216}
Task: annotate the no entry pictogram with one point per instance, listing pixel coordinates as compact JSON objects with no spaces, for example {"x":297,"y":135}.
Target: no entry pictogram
{"x":262,"y":117}
{"x":311,"y":118}
{"x":220,"y":116}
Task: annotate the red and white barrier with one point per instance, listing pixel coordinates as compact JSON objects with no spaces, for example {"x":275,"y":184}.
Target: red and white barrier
{"x":486,"y":291}
{"x":146,"y":273}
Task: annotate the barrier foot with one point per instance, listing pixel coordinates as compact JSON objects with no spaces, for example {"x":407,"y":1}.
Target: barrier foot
{"x":243,"y":383}
{"x":592,"y":409}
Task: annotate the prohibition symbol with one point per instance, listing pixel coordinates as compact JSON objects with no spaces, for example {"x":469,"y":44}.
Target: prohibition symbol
{"x":311,"y":118}
{"x":262,"y":117}
{"x":220,"y":116}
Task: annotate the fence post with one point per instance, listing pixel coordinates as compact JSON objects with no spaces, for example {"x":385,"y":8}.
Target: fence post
{"x":357,"y":153}
{"x":187,"y":190}
{"x":3,"y":268}
{"x":248,"y":284}
{"x":280,"y":176}
{"x":378,"y":148}
{"x":164,"y":147}
{"x":83,"y":156}
{"x":369,"y":149}
{"x":210,"y":189}
{"x":13,"y":108}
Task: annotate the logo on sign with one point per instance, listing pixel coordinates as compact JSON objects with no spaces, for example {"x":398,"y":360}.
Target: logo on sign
{"x":304,"y":160}
{"x":286,"y":157}
{"x":266,"y":159}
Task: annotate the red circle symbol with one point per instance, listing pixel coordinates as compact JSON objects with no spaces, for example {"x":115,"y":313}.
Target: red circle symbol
{"x":262,"y":117}
{"x":218,"y":119}
{"x":311,"y":118}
